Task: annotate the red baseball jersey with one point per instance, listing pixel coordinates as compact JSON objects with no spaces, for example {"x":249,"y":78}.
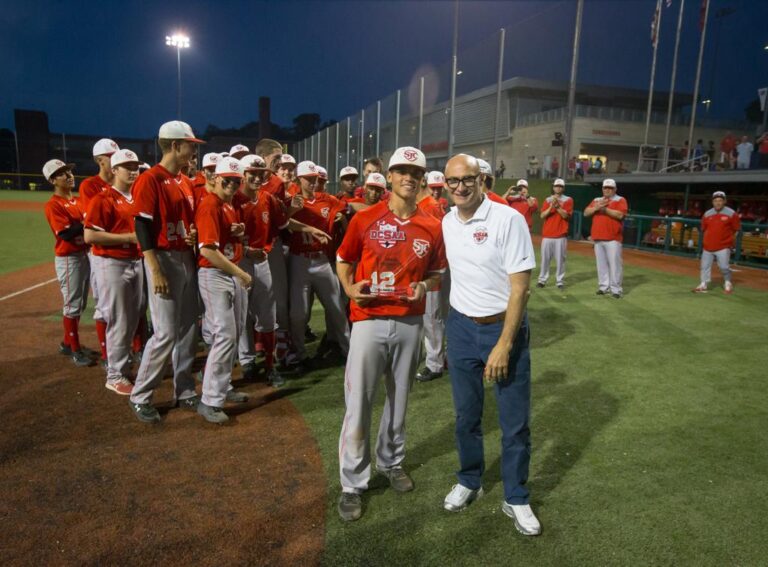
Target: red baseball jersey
{"x":275,"y":186}
{"x":605,"y":227}
{"x":720,"y":228}
{"x":199,"y":192}
{"x":214,"y":219}
{"x":392,"y":253}
{"x":164,"y":198}
{"x":61,"y":214}
{"x":89,"y":188}
{"x":520,"y":204}
{"x":263,"y":219}
{"x":496,"y":198}
{"x":318,"y":212}
{"x":430,"y":206}
{"x":554,"y":225}
{"x":112,"y":212}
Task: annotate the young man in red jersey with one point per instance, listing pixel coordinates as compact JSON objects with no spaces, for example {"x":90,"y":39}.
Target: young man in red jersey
{"x":556,"y":214}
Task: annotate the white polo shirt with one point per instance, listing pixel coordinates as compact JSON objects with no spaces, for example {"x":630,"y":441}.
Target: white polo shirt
{"x":482,"y":252}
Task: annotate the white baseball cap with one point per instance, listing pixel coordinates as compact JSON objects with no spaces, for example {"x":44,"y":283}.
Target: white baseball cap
{"x":238,"y":148}
{"x":558,"y":181}
{"x":229,"y":167}
{"x":522,"y":183}
{"x":435,"y":179}
{"x":377,"y":180}
{"x":178,"y":130}
{"x":485,"y":167}
{"x":252,"y":162}
{"x":609,"y":183}
{"x":717,"y":194}
{"x":322,"y":172}
{"x":408,"y":155}
{"x":349,"y":170}
{"x":123,"y":156}
{"x":305,"y":169}
{"x":211,"y":159}
{"x":288,"y":158}
{"x":54,"y":166}
{"x":144,"y":166}
{"x":223,"y":154}
{"x":105,"y":147}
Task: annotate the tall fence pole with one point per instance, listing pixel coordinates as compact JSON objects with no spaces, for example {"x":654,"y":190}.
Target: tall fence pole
{"x":421,"y":110}
{"x":397,"y":120}
{"x":349,"y":137}
{"x":657,"y":24}
{"x":360,"y":157}
{"x":698,"y":79}
{"x":336,"y":156}
{"x":327,"y":147}
{"x":566,"y":150}
{"x":378,"y":127}
{"x":498,"y":99}
{"x":672,"y":85}
{"x":454,"y":70}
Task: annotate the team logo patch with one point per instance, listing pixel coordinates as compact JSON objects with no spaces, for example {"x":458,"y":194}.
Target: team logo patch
{"x":265,"y":217}
{"x":480,"y":235}
{"x":420,"y":247}
{"x":325,"y":211}
{"x":410,"y":155}
{"x":386,"y":234}
{"x":130,"y":155}
{"x":234,"y":165}
{"x":113,"y":145}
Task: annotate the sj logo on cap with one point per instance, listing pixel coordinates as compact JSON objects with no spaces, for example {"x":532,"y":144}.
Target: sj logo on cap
{"x":234,"y":166}
{"x":410,"y":155}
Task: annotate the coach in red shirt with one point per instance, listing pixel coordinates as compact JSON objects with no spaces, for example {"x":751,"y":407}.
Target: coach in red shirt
{"x":719,"y":226}
{"x":607,"y":234}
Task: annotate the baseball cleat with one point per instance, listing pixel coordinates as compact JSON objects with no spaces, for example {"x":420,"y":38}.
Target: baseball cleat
{"x":601,"y":292}
{"x":237,"y":397}
{"x":728,"y":288}
{"x":525,"y":520}
{"x":120,"y":386}
{"x":145,"y":412}
{"x":616,"y":295}
{"x":701,"y":288}
{"x":460,"y":497}
{"x":81,"y":359}
{"x":427,"y":375}
{"x":250,"y":371}
{"x":398,"y":479}
{"x":539,"y":284}
{"x":212,"y":414}
{"x":350,"y":506}
{"x":66,"y":350}
{"x":189,"y":404}
{"x":275,"y":379}
{"x":561,"y":286}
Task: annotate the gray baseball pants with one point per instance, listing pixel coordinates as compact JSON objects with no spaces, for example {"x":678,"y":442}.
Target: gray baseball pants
{"x":121,"y":282}
{"x":225,"y":306}
{"x":610,"y":267}
{"x":723,"y":258}
{"x":261,"y":309}
{"x":553,"y":248}
{"x":279,"y":270}
{"x":93,"y":260}
{"x":309,"y":274}
{"x":435,"y":314}
{"x":73,"y":273}
{"x":174,"y":320}
{"x":388,"y":347}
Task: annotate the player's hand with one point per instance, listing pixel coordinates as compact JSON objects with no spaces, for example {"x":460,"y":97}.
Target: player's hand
{"x":245,"y":279}
{"x":360,"y":292}
{"x":319,"y":235}
{"x":191,"y":237}
{"x":160,"y":282}
{"x":419,"y":291}
{"x":497,"y":367}
{"x":257,"y":254}
{"x":297,"y":203}
{"x":237,"y":229}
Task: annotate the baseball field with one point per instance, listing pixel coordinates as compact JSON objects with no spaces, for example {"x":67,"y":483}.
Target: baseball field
{"x":648,"y":424}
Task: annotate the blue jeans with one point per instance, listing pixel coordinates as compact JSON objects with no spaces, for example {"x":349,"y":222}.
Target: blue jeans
{"x":469,"y":346}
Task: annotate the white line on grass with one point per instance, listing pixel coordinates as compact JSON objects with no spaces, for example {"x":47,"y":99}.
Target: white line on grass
{"x":26,"y":289}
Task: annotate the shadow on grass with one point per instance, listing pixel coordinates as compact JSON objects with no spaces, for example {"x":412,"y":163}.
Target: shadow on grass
{"x":633,"y":281}
{"x":549,"y":326}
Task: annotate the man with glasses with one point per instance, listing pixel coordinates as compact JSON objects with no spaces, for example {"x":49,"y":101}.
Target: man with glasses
{"x":490,"y":256}
{"x":165,"y":230}
{"x":392,"y":255}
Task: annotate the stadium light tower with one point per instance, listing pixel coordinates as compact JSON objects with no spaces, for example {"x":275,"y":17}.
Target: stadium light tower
{"x":179,"y":41}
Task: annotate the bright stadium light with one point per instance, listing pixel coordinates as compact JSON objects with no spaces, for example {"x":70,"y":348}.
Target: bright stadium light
{"x":179,"y":41}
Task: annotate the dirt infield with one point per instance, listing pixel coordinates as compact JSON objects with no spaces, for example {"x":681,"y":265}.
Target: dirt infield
{"x":85,"y":483}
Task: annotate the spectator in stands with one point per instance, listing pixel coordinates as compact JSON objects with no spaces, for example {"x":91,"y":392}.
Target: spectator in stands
{"x":622,"y":168}
{"x":585,"y":166}
{"x":579,"y":171}
{"x":727,"y":145}
{"x":502,"y":169}
{"x":719,"y":226}
{"x":762,"y":150}
{"x":744,"y":153}
{"x":711,"y":151}
{"x":598,"y":165}
{"x":571,"y":168}
{"x":698,"y":154}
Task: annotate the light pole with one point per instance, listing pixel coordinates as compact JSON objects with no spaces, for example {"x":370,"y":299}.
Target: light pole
{"x":179,"y":41}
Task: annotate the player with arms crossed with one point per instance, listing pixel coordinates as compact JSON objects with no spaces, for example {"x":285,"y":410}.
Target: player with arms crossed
{"x":391,"y":256}
{"x":165,"y":229}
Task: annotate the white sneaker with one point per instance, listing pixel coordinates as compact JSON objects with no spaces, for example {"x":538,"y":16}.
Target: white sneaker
{"x":460,"y":497}
{"x":525,"y":520}
{"x":728,"y":287}
{"x":701,"y":288}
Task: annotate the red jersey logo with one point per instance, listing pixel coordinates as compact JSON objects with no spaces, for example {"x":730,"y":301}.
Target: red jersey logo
{"x":480,"y":235}
{"x":265,"y":217}
{"x":325,"y":211}
{"x":386,"y":234}
{"x":420,"y":247}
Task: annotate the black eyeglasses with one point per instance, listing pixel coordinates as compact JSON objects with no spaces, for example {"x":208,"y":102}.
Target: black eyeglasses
{"x":469,"y":181}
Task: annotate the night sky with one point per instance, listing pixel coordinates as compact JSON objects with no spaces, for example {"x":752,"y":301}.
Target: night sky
{"x":103,"y":68}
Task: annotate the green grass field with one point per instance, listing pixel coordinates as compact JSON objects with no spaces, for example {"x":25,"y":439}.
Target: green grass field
{"x":649,"y":443}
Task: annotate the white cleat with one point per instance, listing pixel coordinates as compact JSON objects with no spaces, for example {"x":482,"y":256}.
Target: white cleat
{"x":460,"y":497}
{"x":525,"y":520}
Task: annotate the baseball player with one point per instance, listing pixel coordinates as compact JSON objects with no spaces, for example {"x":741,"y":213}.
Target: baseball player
{"x":437,"y":195}
{"x":517,"y":197}
{"x":607,"y":234}
{"x":209,"y":174}
{"x":556,"y":214}
{"x":65,"y":217}
{"x":109,"y":229}
{"x":488,"y":181}
{"x":371,"y":165}
{"x":223,"y":285}
{"x":347,"y":179}
{"x":89,"y":188}
{"x":165,"y":230}
{"x":375,"y":185}
{"x":239,"y":151}
{"x":392,"y":255}
{"x":310,"y":270}
{"x":322,"y":179}
{"x":719,"y":226}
